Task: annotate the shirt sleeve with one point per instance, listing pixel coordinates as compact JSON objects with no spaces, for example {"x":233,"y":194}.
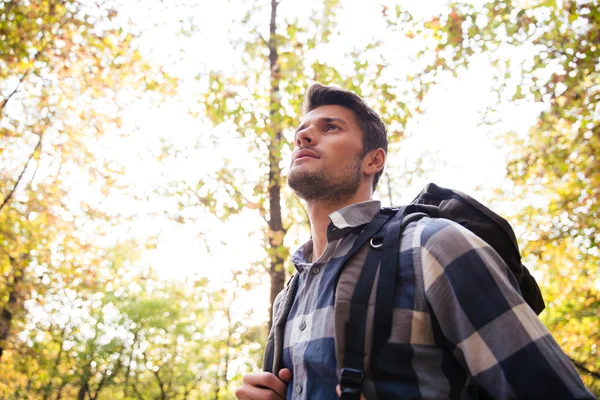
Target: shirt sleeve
{"x":488,"y":326}
{"x":269,"y":354}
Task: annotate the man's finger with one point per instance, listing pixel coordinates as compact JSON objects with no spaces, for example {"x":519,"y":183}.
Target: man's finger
{"x":266,"y":380}
{"x":285,"y":375}
{"x":247,"y":392}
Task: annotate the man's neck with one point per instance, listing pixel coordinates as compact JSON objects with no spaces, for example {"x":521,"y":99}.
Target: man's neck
{"x":318,"y":213}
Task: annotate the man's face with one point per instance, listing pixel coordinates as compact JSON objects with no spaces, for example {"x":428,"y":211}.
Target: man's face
{"x":326,"y":162}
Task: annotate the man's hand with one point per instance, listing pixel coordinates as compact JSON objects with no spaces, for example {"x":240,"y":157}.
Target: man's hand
{"x":264,"y":386}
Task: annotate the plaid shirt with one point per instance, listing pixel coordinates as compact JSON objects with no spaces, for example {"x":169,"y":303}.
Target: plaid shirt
{"x":460,"y":328}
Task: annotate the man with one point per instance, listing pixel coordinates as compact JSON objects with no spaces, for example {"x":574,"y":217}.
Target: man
{"x":460,"y":329}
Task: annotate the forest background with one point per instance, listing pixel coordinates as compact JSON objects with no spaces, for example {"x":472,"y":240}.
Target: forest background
{"x":145,"y":223}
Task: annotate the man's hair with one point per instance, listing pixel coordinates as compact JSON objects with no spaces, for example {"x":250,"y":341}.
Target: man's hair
{"x":373,"y":128}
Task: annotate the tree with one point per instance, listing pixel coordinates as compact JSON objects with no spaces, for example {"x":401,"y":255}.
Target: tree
{"x":544,"y":52}
{"x":183,"y":338}
{"x":67,"y":68}
{"x":240,"y":336}
{"x":260,"y":104}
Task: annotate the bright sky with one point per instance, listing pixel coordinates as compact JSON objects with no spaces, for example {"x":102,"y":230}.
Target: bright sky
{"x":449,"y":128}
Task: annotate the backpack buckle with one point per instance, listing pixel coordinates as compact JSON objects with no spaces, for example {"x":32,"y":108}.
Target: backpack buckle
{"x":376,"y":241}
{"x":351,"y":382}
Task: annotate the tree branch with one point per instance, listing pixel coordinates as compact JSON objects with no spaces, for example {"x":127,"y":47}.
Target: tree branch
{"x":107,"y":378}
{"x":263,"y":39}
{"x":585,"y":369}
{"x":35,"y":58}
{"x":137,"y":392}
{"x":7,"y":198}
{"x":238,"y":193}
{"x":7,"y":98}
{"x":43,"y":47}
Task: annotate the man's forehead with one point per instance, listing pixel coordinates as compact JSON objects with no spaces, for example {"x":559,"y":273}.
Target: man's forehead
{"x":330,"y":112}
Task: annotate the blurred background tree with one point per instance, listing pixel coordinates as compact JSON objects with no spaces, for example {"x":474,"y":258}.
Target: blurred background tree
{"x":83,"y":312}
{"x":260,"y":102}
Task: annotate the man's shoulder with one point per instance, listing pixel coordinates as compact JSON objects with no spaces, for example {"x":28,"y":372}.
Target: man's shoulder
{"x":442,"y":238}
{"x":426,"y":227}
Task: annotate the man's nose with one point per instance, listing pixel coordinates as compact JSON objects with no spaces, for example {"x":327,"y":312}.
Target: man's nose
{"x":305,"y":137}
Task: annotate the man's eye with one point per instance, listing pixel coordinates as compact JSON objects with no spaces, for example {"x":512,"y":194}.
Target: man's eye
{"x":331,"y":127}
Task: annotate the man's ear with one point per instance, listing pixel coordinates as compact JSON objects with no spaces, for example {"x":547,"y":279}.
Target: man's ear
{"x":374,"y":161}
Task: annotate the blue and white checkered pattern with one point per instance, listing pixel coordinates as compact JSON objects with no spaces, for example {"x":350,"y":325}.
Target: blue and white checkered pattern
{"x":460,"y":328}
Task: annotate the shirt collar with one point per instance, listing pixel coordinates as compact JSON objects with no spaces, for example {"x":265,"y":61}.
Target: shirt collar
{"x":343,"y":221}
{"x":355,"y":214}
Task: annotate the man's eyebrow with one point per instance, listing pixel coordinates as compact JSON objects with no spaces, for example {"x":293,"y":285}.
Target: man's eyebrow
{"x":326,"y":120}
{"x":333,"y":119}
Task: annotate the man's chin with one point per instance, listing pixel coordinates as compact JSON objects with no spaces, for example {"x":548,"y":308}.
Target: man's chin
{"x":299,"y":173}
{"x":301,"y":182}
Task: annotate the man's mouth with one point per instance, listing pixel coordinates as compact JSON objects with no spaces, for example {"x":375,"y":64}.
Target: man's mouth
{"x":304,"y":158}
{"x":305,"y":154}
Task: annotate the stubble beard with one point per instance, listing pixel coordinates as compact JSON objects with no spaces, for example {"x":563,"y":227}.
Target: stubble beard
{"x":326,"y":186}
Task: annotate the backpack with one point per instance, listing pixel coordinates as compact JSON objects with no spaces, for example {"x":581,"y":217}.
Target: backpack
{"x":434,"y":202}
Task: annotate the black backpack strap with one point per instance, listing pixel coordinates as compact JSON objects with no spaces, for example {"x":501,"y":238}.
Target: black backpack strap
{"x":386,"y":284}
{"x":352,"y":374}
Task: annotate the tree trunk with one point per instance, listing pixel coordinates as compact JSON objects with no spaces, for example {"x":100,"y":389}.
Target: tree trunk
{"x":83,"y":389}
{"x":49,"y":389}
{"x":226,"y":357}
{"x":128,"y":370}
{"x":276,"y":231}
{"x":14,"y":299}
{"x":217,"y":385}
{"x":60,"y":390}
{"x":161,"y":385}
{"x":106,"y":379}
{"x":18,"y":267}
